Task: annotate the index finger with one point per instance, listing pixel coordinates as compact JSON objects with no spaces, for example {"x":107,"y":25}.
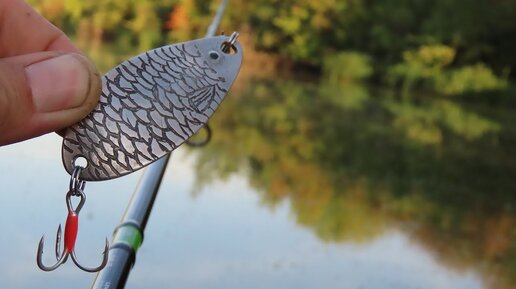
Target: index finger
{"x":23,"y":30}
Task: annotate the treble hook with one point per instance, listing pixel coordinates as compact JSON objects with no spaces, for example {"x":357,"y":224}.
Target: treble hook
{"x":71,"y":228}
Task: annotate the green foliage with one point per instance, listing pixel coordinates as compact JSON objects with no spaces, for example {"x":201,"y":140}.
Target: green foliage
{"x":420,"y":44}
{"x":430,"y":57}
{"x":299,"y":30}
{"x":423,"y":64}
{"x":349,"y":96}
{"x":307,"y":30}
{"x":92,"y":22}
{"x":346,"y":67}
{"x":428,"y":123}
{"x":429,"y":67}
{"x":474,"y":78}
{"x":428,"y":44}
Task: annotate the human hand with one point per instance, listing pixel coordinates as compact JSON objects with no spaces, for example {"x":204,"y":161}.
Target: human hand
{"x":45,"y":83}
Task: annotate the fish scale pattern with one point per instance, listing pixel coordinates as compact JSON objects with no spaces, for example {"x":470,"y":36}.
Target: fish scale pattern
{"x":149,"y":105}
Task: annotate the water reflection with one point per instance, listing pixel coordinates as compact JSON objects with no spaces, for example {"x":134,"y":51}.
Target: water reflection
{"x":355,"y":163}
{"x":223,"y":237}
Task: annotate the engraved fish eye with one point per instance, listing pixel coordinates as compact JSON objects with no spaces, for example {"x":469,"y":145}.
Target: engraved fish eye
{"x":214,"y":55}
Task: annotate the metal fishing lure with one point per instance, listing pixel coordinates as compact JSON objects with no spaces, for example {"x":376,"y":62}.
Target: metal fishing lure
{"x":150,"y":104}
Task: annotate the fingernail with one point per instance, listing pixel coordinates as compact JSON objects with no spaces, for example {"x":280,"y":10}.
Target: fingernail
{"x":60,"y":83}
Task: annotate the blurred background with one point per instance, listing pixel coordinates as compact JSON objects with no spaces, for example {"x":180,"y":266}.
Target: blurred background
{"x":365,"y":144}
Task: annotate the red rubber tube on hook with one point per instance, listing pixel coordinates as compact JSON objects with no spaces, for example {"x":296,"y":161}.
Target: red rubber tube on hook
{"x":71,"y":228}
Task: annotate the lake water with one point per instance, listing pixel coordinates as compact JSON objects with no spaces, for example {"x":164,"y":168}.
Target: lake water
{"x":302,"y":186}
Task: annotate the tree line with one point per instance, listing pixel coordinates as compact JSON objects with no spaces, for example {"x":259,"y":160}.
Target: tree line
{"x":451,"y":47}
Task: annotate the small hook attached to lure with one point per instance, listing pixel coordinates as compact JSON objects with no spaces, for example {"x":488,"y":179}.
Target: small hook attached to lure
{"x":71,"y":228}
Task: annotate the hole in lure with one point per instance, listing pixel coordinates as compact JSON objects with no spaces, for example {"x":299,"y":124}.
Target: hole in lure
{"x":228,"y":48}
{"x":80,"y":161}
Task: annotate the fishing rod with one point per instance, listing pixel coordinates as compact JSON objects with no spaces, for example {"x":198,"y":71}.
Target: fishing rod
{"x":128,"y":235}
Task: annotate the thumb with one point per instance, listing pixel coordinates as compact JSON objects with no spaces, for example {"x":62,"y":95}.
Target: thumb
{"x":43,"y":92}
